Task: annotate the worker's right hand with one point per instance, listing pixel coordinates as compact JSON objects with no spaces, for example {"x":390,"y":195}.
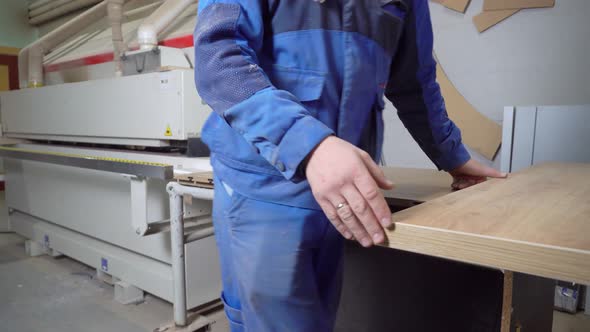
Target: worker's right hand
{"x":345,"y":181}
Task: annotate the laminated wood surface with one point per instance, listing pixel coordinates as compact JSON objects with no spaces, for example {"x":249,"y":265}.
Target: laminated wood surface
{"x":456,"y":5}
{"x":488,"y":19}
{"x":537,"y":222}
{"x":516,"y":4}
{"x":417,"y":185}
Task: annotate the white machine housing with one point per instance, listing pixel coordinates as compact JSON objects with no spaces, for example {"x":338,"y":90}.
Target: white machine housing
{"x":87,"y":215}
{"x":92,"y":215}
{"x":150,"y":109}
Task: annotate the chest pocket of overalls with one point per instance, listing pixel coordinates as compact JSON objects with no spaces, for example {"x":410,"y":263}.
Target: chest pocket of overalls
{"x":306,"y":85}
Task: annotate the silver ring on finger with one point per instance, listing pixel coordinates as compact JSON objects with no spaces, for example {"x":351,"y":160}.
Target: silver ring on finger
{"x":340,"y":206}
{"x":346,"y":214}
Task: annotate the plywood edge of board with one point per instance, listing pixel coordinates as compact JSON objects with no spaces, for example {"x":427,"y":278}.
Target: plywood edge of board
{"x":507,"y":301}
{"x":488,"y":19}
{"x":518,"y":256}
{"x":197,"y":179}
{"x":516,"y":4}
{"x":478,"y":132}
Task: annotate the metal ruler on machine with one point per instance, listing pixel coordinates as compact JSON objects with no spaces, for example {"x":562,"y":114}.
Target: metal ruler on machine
{"x":106,"y":164}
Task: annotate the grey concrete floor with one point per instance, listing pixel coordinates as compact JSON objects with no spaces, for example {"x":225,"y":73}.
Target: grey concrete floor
{"x":564,"y":322}
{"x":61,"y":295}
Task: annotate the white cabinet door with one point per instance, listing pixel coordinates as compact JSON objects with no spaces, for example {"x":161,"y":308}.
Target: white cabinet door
{"x":562,"y":134}
{"x":538,"y":134}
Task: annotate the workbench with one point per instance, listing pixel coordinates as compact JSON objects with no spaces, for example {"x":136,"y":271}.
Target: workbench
{"x":517,"y":235}
{"x":481,"y":259}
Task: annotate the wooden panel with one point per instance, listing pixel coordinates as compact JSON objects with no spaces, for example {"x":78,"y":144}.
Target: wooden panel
{"x":456,"y":5}
{"x":488,"y":19}
{"x":479,"y":133}
{"x":200,"y":179}
{"x":417,"y":185}
{"x":535,"y":222}
{"x":411,"y":184}
{"x":507,"y":301}
{"x":4,"y":78}
{"x":516,"y":4}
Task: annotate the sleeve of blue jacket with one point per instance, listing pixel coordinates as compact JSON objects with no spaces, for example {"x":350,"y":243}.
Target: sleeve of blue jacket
{"x":413,"y":90}
{"x":228,"y":37}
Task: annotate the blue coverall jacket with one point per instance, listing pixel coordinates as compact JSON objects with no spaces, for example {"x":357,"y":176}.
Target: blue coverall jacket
{"x":281,"y":75}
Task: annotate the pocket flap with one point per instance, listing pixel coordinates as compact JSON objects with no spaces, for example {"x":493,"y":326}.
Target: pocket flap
{"x":306,"y":85}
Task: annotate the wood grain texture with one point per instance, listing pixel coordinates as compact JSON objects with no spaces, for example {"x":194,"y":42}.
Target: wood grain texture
{"x":456,"y":5}
{"x":537,"y":221}
{"x":488,"y":19}
{"x":507,"y":301}
{"x":516,"y":4}
{"x":417,"y":185}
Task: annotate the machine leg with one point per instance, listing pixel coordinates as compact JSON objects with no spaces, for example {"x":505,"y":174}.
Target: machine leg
{"x":106,"y":278}
{"x":507,"y":301}
{"x":127,"y":294}
{"x":178,"y":264}
{"x":34,"y":249}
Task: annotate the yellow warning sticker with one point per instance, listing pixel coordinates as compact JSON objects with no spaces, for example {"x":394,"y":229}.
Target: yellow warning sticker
{"x":168,"y":131}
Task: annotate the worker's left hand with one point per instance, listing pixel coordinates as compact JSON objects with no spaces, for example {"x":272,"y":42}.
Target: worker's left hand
{"x":471,"y":173}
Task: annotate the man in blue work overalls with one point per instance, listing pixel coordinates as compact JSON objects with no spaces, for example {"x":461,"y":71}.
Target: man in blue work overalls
{"x":297,"y":91}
